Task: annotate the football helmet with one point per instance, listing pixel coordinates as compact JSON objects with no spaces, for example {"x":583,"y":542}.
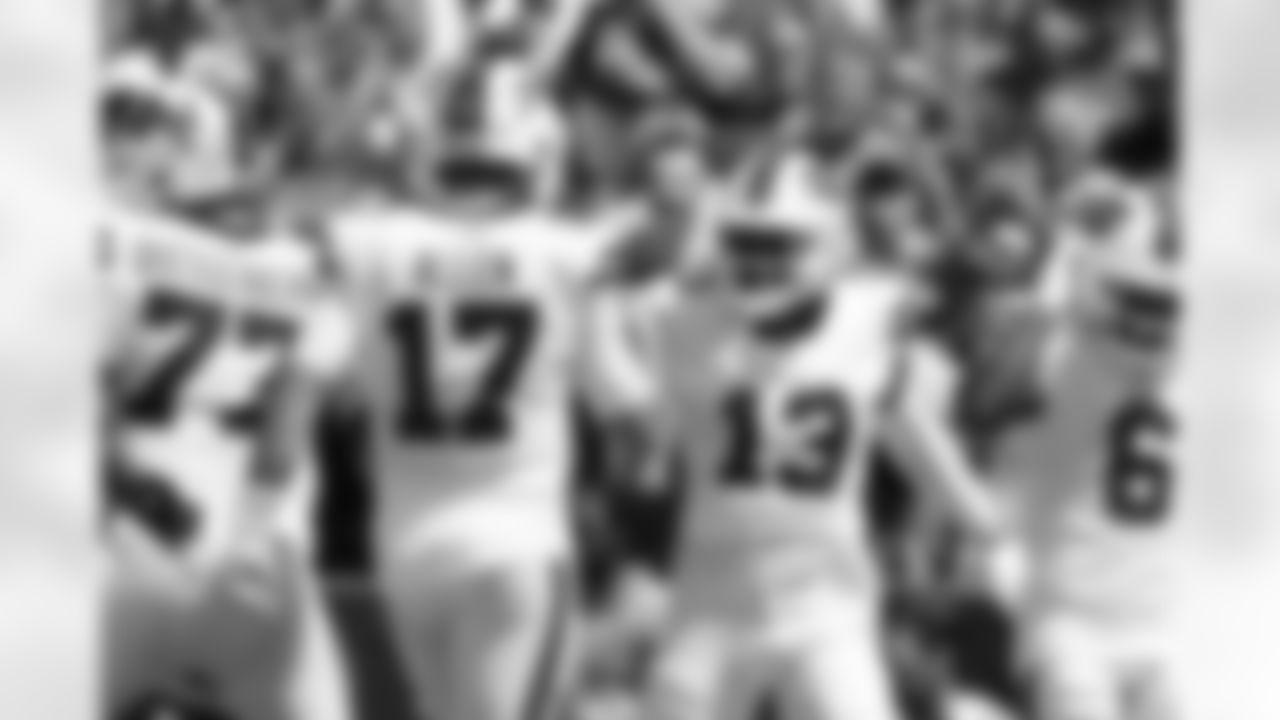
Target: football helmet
{"x":774,"y":237}
{"x":498,"y":135}
{"x":1116,"y":267}
{"x":171,"y":136}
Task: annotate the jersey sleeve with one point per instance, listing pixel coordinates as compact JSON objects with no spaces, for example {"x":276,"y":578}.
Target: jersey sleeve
{"x":349,"y":243}
{"x":594,"y":251}
{"x":326,"y":328}
{"x":329,"y":325}
{"x":925,"y":368}
{"x":927,"y":376}
{"x":119,"y":287}
{"x":615,"y":373}
{"x":329,"y":337}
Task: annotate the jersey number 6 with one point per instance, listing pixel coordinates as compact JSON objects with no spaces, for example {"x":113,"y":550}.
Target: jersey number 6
{"x":1139,"y":478}
{"x":511,"y":326}
{"x":820,"y":420}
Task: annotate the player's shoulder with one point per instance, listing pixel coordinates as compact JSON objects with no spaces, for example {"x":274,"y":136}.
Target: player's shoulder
{"x":358,"y":240}
{"x":138,"y":237}
{"x":661,"y":301}
{"x":273,"y":266}
{"x":583,"y":245}
{"x":880,"y":296}
{"x":287,"y":254}
{"x":369,"y":228}
{"x":884,"y":285}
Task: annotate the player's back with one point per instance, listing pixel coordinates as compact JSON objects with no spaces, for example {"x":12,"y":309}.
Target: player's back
{"x":775,"y":437}
{"x":1091,"y":478}
{"x":209,"y":322}
{"x":471,"y":331}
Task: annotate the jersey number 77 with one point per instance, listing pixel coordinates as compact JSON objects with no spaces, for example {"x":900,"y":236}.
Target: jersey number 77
{"x":509,"y":326}
{"x":205,"y":329}
{"x":202,"y":329}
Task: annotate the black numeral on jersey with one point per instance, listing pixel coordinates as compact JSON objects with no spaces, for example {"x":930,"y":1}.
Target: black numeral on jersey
{"x":153,"y":502}
{"x":822,"y":423}
{"x":156,"y":398}
{"x":269,"y":334}
{"x":1139,"y":477}
{"x":511,"y":326}
{"x":742,"y":451}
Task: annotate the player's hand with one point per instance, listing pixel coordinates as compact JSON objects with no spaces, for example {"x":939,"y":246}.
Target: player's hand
{"x":252,"y":574}
{"x":135,"y":551}
{"x":990,"y":562}
{"x":253,"y":566}
{"x":997,"y":568}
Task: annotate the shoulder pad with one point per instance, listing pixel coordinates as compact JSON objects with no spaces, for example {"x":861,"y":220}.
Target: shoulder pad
{"x":353,"y":237}
{"x":585,"y":246}
{"x":288,"y":252}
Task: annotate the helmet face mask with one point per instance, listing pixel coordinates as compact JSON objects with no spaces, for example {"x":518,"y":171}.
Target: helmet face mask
{"x":475,"y":174}
{"x":1143,"y":314}
{"x":1123,"y":284}
{"x":761,"y":257}
{"x":782,"y":246}
{"x":769,"y":268}
{"x":1137,"y":305}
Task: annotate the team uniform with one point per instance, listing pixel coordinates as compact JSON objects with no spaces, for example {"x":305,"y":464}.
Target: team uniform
{"x":775,"y":593}
{"x":474,"y":338}
{"x":1095,"y":496}
{"x":206,"y":327}
{"x":1094,"y":487}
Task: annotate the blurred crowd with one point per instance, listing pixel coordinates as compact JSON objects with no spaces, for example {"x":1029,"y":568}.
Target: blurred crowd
{"x":966,"y":133}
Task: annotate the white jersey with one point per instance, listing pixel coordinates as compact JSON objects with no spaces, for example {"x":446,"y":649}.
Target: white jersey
{"x":775,"y":437}
{"x":474,"y":338}
{"x":212,"y":322}
{"x":1093,"y":487}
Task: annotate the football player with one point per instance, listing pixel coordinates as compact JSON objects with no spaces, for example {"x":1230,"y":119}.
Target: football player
{"x":478,"y":322}
{"x":213,"y":354}
{"x":1091,"y":473}
{"x":782,"y":363}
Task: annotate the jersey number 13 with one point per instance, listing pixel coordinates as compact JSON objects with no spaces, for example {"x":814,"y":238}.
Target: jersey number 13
{"x":819,"y":420}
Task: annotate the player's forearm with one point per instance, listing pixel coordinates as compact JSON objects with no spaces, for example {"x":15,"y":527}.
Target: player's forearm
{"x":924,"y":441}
{"x":632,"y":459}
{"x":934,"y":458}
{"x":633,"y":451}
{"x":615,"y":375}
{"x":278,"y":506}
{"x":280,"y":463}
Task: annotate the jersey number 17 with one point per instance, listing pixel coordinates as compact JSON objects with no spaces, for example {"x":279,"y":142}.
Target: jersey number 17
{"x":509,"y":326}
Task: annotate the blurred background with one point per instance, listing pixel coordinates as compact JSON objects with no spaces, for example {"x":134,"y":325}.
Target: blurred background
{"x":970,"y":133}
